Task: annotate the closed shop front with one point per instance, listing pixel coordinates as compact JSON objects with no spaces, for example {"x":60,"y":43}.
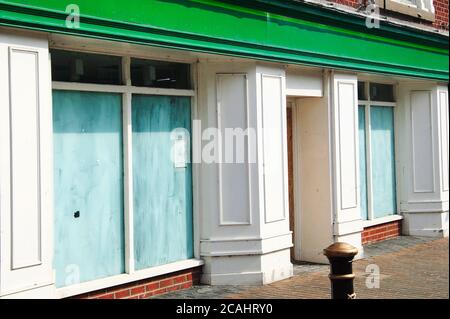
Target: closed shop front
{"x":147,"y":146}
{"x":102,"y":182}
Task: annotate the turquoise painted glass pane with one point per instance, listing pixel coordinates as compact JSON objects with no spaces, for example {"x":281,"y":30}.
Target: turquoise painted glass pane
{"x":162,"y":192}
{"x":88,"y":186}
{"x":383,"y":160}
{"x":362,"y":162}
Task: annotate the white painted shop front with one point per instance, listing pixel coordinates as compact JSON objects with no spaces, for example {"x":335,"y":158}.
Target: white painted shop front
{"x":240,"y":212}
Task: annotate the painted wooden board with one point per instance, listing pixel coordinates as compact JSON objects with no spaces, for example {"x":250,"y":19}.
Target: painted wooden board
{"x":88,"y":183}
{"x":362,"y":162}
{"x":383,"y":160}
{"x":273,"y":126}
{"x":422,"y":140}
{"x":162,"y":201}
{"x":232,"y":100}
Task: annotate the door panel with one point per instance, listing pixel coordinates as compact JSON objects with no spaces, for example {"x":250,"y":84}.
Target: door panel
{"x":162,"y":188}
{"x":88,"y":184}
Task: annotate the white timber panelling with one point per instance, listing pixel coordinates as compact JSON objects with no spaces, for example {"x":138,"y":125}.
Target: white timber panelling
{"x":273,"y":147}
{"x":423,"y":158}
{"x":422,"y":142}
{"x":443,"y":115}
{"x":344,"y":108}
{"x":215,"y":223}
{"x":347,"y":144}
{"x":25,"y":163}
{"x":26,"y":167}
{"x":234,"y":173}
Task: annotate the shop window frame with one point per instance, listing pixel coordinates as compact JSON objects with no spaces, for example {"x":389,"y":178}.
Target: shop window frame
{"x":127,"y":90}
{"x":367,"y":103}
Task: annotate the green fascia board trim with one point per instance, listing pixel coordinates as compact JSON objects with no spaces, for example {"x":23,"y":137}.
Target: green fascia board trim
{"x":334,"y":21}
{"x":356,"y":22}
{"x":338,"y":48}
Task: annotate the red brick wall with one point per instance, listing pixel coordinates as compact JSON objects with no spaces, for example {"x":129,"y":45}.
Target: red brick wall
{"x":146,"y":288}
{"x":381,"y":232}
{"x":440,"y":7}
{"x":350,"y":3}
{"x":441,"y":14}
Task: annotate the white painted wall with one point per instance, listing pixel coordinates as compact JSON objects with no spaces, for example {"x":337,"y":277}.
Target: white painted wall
{"x":301,"y":82}
{"x":26,"y":200}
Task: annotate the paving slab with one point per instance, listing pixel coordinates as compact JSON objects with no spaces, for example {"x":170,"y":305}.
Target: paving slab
{"x":406,"y":267}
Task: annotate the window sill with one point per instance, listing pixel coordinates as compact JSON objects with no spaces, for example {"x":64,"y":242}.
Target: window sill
{"x":121,"y":279}
{"x":381,"y":220}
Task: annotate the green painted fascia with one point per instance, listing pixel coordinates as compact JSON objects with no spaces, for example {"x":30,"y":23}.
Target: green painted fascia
{"x":236,"y":30}
{"x":351,"y":21}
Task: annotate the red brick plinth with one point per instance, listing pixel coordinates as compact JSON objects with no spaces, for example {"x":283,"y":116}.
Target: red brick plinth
{"x":146,"y":288}
{"x":381,"y":232}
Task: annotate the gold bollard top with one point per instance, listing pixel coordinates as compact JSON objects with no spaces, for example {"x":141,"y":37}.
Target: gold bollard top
{"x":340,"y":249}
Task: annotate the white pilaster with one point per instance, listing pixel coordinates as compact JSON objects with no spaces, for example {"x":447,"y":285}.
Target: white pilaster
{"x":245,"y":237}
{"x":424,"y":193}
{"x":347,"y":223}
{"x":26,"y":186}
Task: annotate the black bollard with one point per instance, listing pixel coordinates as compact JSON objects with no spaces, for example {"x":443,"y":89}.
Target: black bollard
{"x":341,"y":274}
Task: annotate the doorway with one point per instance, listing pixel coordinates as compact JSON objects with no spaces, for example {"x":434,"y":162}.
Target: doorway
{"x":309,"y":177}
{"x":290,"y":147}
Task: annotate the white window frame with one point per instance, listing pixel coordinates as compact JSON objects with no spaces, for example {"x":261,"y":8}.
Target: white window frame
{"x":127,"y":90}
{"x":372,"y":221}
{"x":424,"y":9}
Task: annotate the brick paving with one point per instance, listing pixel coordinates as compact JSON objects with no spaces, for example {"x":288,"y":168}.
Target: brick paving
{"x":410,"y":268}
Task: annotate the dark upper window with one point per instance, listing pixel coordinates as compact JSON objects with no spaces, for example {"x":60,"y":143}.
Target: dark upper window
{"x":377,"y":92}
{"x":68,"y":66}
{"x":382,"y":92}
{"x":160,"y":74}
{"x":362,"y":91}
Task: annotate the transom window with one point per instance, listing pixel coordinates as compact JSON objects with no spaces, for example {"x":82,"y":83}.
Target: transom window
{"x":69,"y":66}
{"x":159,"y":74}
